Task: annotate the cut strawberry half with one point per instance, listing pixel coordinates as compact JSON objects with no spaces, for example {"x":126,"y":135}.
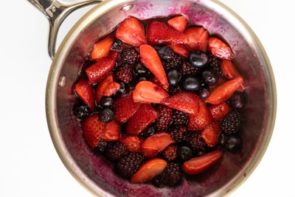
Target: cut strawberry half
{"x":156,"y":144}
{"x":148,"y":92}
{"x":229,"y":70}
{"x":219,"y":111}
{"x":111,"y":131}
{"x":151,"y":60}
{"x":224,"y":91}
{"x":131,"y":31}
{"x":125,"y":108}
{"x":179,"y":23}
{"x":211,"y":134}
{"x":196,"y":38}
{"x":93,"y":129}
{"x":149,"y":170}
{"x":101,"y":68}
{"x":201,"y":119}
{"x":144,"y":116}
{"x":161,"y":33}
{"x":133,"y":143}
{"x":198,"y":165}
{"x":107,"y":87}
{"x":179,"y":49}
{"x":85,"y":92}
{"x":102,"y":48}
{"x":220,"y":49}
{"x":184,"y":101}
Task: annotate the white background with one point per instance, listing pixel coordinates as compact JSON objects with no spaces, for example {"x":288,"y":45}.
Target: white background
{"x":29,"y":165}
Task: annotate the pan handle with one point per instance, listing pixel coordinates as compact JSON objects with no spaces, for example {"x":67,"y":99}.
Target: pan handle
{"x":56,"y":12}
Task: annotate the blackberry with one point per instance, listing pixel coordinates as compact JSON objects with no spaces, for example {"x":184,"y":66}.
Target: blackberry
{"x":171,"y":176}
{"x":116,"y":151}
{"x":101,"y":147}
{"x":129,"y":56}
{"x":214,"y":63}
{"x":171,"y":60}
{"x":179,"y":118}
{"x":170,"y":153}
{"x":231,"y":123}
{"x":178,"y":134}
{"x":81,"y":111}
{"x":195,"y":141}
{"x":164,"y":118}
{"x":129,"y":164}
{"x":189,"y":70}
{"x":124,"y":73}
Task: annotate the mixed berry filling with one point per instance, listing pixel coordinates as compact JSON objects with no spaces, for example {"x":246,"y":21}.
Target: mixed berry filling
{"x":160,"y":99}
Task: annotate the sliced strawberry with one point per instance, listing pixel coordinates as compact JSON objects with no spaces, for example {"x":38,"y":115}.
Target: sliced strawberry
{"x":211,"y":134}
{"x":131,"y":31}
{"x":200,"y":164}
{"x":125,"y":108}
{"x":196,"y":38}
{"x":224,"y":91}
{"x":229,"y":70}
{"x":151,"y":60}
{"x":144,"y":116}
{"x":179,"y":23}
{"x":184,"y":101}
{"x":102,"y":48}
{"x":93,"y":129}
{"x":220,"y":49}
{"x":161,"y":33}
{"x":106,"y":88}
{"x":149,"y":170}
{"x":201,"y":119}
{"x":111,"y":131}
{"x":148,"y":92}
{"x":133,"y":143}
{"x":179,"y":49}
{"x":85,"y":92}
{"x":219,"y":111}
{"x":156,"y":144}
{"x":101,"y":68}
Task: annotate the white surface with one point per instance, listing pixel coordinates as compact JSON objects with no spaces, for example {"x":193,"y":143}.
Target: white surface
{"x":29,"y":165}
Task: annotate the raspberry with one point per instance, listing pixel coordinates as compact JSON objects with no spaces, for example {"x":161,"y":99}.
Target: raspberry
{"x":170,"y":153}
{"x":171,"y":176}
{"x":195,"y":141}
{"x":129,"y":56}
{"x":164,"y":118}
{"x":231,"y":123}
{"x":178,"y":134}
{"x":129,"y":164}
{"x":180,"y":118}
{"x":189,"y":70}
{"x":124,"y":73}
{"x":116,"y":151}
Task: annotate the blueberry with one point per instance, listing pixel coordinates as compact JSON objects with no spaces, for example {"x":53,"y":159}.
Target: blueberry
{"x":117,"y":46}
{"x":191,"y":84}
{"x":123,"y":88}
{"x":174,"y":77}
{"x":233,"y":143}
{"x":148,"y":132}
{"x":106,"y":101}
{"x":185,"y":153}
{"x":166,"y":53}
{"x":106,"y":115}
{"x":198,"y":59}
{"x":81,"y":111}
{"x":204,"y":93}
{"x":238,"y":100}
{"x":209,"y":77}
{"x":140,"y":69}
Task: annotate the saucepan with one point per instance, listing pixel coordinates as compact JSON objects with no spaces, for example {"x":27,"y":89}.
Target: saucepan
{"x":94,"y":172}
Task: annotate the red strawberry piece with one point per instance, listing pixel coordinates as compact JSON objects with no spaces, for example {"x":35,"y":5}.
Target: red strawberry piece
{"x":144,"y":116}
{"x":101,"y":68}
{"x":200,"y":120}
{"x":149,"y":170}
{"x":200,"y":164}
{"x":179,"y":23}
{"x":224,"y":91}
{"x":93,"y":129}
{"x":156,"y":144}
{"x":196,"y":38}
{"x":211,"y":134}
{"x":111,"y":131}
{"x":133,"y":143}
{"x":106,"y":88}
{"x":184,"y":101}
{"x":85,"y":92}
{"x":148,"y":92}
{"x":229,"y":70}
{"x":102,"y":48}
{"x":151,"y":60}
{"x":220,"y":49}
{"x":179,"y":49}
{"x":131,"y":31}
{"x":219,"y":111}
{"x":125,"y":108}
{"x":161,"y":33}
